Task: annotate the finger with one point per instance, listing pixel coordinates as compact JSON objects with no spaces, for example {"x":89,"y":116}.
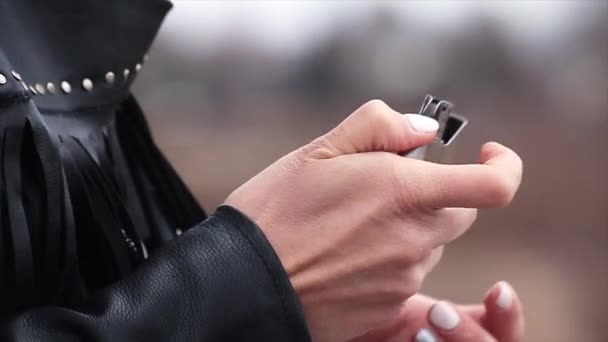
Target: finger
{"x":491,"y":184}
{"x":411,"y":318}
{"x":451,"y":223}
{"x":452,"y":325}
{"x":504,"y":318}
{"x":375,"y":127}
{"x":427,"y":264}
{"x":477,"y":312}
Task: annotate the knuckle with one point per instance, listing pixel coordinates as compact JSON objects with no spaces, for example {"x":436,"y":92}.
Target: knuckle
{"x":416,"y":278}
{"x":472,"y":215}
{"x":452,"y":223}
{"x":405,"y":285}
{"x":409,"y":256}
{"x":407,"y":275}
{"x":397,"y":184}
{"x":374,"y":105}
{"x":398,"y":286}
{"x":320,"y":148}
{"x":402,"y":256}
{"x":405,"y":253}
{"x":519,"y":163}
{"x":501,"y":191}
{"x":404,"y":290}
{"x":404,"y":190}
{"x":418,"y":248}
{"x":434,"y":258}
{"x":461,"y":217}
{"x":377,"y":112}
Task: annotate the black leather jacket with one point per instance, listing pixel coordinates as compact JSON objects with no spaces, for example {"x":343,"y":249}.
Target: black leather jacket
{"x":91,"y":214}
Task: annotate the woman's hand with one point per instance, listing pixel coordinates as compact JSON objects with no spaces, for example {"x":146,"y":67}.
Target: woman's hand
{"x":357,"y":227}
{"x":422,"y":319}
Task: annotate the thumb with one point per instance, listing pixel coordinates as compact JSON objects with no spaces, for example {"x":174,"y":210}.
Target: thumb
{"x":375,"y":127}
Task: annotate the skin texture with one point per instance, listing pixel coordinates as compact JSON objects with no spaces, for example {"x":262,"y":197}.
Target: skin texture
{"x":357,"y":227}
{"x":485,"y":322}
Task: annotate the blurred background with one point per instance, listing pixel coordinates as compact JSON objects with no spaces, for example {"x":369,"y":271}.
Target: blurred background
{"x":232,"y":86}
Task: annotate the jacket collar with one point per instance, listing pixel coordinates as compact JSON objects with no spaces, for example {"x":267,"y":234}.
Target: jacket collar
{"x":73,"y":54}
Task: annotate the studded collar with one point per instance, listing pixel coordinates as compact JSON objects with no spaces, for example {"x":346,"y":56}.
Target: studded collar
{"x":73,"y":54}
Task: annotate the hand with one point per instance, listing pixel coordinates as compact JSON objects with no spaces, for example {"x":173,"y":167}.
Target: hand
{"x":423,"y":319}
{"x":357,"y":227}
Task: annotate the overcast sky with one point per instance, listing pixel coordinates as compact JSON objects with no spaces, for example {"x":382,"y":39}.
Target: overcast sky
{"x":294,"y":25}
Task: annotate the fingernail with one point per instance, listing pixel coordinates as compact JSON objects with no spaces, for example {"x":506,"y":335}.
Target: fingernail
{"x":425,"y":335}
{"x":422,"y":124}
{"x":505,"y":296}
{"x":444,"y":316}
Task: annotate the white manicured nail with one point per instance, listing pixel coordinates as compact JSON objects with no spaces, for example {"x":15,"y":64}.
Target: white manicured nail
{"x":444,"y":316}
{"x":505,"y":296}
{"x":425,"y":335}
{"x":422,"y":124}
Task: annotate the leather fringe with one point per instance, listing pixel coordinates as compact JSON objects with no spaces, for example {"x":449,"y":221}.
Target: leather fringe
{"x":78,"y":213}
{"x":33,"y":211}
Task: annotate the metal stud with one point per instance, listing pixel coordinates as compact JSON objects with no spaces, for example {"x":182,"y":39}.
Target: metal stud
{"x":87,"y":84}
{"x":178,"y":232}
{"x":137,"y":67}
{"x":24,"y":85}
{"x":33,"y":90}
{"x":51,"y":88}
{"x":2,"y":79}
{"x":40,"y":89}
{"x":126,"y":73}
{"x":66,"y":87}
{"x":16,"y":75}
{"x":110,"y":77}
{"x":144,"y":250}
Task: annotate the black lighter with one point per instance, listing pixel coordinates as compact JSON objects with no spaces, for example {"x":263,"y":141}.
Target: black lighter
{"x":450,"y":126}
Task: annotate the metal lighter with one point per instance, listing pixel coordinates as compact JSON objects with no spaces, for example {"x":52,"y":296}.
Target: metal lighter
{"x":450,"y":126}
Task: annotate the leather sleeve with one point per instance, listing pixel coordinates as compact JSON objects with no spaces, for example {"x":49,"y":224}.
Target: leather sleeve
{"x":220,"y":281}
